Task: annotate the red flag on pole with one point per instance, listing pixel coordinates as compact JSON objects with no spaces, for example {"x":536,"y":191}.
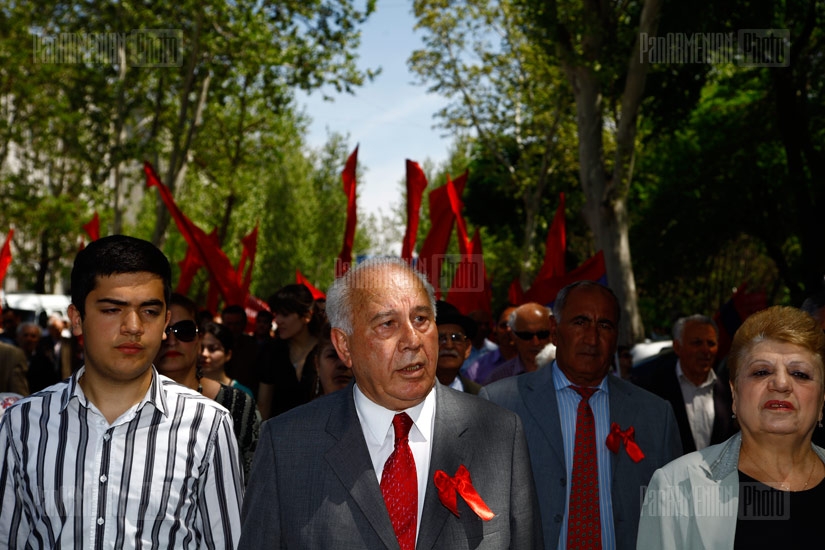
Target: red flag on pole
{"x":416,"y":185}
{"x":5,"y":255}
{"x":348,"y":177}
{"x":301,"y":280}
{"x":206,"y":247}
{"x":592,"y":269}
{"x":471,"y":290}
{"x":92,"y":227}
{"x":250,"y":248}
{"x":189,"y":266}
{"x":555,"y":246}
{"x":431,"y":256}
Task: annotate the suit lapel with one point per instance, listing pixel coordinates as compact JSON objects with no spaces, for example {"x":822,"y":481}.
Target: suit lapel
{"x":350,"y":460}
{"x":448,"y":453}
{"x":539,"y":396}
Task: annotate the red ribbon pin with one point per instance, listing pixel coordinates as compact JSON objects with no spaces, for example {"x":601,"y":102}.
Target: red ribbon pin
{"x":618,"y":436}
{"x":448,"y":486}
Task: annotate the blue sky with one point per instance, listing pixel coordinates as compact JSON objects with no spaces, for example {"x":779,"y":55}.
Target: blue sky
{"x":391,"y":118}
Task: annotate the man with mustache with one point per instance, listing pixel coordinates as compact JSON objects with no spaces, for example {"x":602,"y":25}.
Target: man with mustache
{"x":455,"y":335}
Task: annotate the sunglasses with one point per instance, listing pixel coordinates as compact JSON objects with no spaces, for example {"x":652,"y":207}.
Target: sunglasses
{"x":454,"y":337}
{"x":527,"y":335}
{"x":185,"y":331}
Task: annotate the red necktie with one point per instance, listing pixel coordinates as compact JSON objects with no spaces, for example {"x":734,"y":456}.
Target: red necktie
{"x":583,"y":523}
{"x":399,"y":484}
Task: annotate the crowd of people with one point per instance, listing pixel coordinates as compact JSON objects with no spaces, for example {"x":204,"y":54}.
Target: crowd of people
{"x":381,"y":417}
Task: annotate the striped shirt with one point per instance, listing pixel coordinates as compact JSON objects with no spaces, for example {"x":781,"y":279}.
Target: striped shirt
{"x":568,"y":403}
{"x":165,"y":474}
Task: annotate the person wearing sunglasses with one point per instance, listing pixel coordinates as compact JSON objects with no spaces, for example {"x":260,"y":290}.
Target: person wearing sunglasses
{"x":455,"y":335}
{"x":530,"y":326}
{"x":178,"y":359}
{"x":117,"y":454}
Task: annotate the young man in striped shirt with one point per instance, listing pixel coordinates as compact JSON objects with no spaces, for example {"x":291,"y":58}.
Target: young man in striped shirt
{"x":118,"y":456}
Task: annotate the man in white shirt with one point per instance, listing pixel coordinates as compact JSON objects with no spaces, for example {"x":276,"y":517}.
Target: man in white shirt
{"x":319,"y":479}
{"x":117,"y":455}
{"x":701,"y":400}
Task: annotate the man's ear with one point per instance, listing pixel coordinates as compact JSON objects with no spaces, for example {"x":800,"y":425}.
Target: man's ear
{"x":75,"y":322}
{"x":166,"y":325}
{"x":467,"y":350}
{"x":341,"y":342}
{"x":677,"y":348}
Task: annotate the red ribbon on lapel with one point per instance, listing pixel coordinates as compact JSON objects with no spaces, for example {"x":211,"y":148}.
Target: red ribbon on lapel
{"x":447,"y":487}
{"x":617,"y":436}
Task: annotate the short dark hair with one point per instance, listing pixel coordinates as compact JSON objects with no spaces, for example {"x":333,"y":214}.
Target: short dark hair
{"x":114,"y":255}
{"x":221,"y":333}
{"x":235,"y":309}
{"x":296,"y":298}
{"x":186,"y":303}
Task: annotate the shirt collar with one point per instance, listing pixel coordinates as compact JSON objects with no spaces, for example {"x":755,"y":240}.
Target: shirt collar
{"x":155,"y":395}
{"x":561,"y":382}
{"x":378,"y":420}
{"x":680,"y":375}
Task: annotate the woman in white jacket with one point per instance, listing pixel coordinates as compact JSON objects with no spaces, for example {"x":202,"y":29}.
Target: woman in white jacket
{"x":762,"y":487}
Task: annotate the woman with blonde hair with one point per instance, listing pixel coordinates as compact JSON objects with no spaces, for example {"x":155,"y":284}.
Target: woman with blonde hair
{"x":762,"y":487}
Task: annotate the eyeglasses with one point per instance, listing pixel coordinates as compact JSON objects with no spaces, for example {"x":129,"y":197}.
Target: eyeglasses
{"x":185,"y":331}
{"x":454,"y":337}
{"x":527,"y":335}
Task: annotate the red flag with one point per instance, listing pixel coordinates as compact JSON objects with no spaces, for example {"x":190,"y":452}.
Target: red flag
{"x":544,"y":292}
{"x":5,"y":255}
{"x":250,"y":247}
{"x":555,"y":247}
{"x":219,"y":267}
{"x":456,"y":206}
{"x":515,"y":294}
{"x":92,"y":227}
{"x":431,"y":256}
{"x":188,"y":267}
{"x":416,"y":185}
{"x":348,"y":177}
{"x":301,"y":280}
{"x":471,"y":289}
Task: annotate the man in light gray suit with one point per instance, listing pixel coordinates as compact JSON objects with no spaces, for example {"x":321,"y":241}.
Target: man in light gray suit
{"x":584,"y":329}
{"x":316,"y":480}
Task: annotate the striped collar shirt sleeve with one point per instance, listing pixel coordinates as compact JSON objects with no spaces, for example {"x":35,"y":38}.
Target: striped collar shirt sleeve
{"x":165,"y":474}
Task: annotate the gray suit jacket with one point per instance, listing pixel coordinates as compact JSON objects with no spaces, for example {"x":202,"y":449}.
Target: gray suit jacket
{"x":533,"y":397}
{"x":313,"y":485}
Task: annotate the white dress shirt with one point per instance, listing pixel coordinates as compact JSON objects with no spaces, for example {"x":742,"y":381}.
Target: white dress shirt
{"x":698,"y":405}
{"x":376,"y":423}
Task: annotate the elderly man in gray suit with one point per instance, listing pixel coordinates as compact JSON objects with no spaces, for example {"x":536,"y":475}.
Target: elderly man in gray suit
{"x":396,"y":460}
{"x":594,"y":439}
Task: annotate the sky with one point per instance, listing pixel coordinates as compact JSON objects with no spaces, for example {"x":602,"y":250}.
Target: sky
{"x":391,"y":119}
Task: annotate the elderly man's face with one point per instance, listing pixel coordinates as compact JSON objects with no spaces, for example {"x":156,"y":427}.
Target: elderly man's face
{"x":393,"y":348}
{"x":585,"y":336}
{"x":532,"y":332}
{"x":453,"y":347}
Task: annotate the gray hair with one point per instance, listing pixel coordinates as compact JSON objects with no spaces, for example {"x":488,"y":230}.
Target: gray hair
{"x":679,"y":327}
{"x":561,"y":297}
{"x":22,"y":327}
{"x":365,"y":275}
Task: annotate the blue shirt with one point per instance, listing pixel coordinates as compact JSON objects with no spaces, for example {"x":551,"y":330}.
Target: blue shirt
{"x":568,"y":402}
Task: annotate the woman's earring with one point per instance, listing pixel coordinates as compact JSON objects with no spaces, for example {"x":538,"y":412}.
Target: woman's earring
{"x":819,"y":423}
{"x":733,"y":416}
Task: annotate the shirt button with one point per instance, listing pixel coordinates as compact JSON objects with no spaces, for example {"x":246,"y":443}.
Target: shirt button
{"x":100,"y":521}
{"x":103,"y":479}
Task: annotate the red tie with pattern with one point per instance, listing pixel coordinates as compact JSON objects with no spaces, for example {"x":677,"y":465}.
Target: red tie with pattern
{"x":399,"y":484}
{"x":583,"y":523}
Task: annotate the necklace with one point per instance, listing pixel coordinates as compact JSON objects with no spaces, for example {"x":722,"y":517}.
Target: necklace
{"x":782,"y":485}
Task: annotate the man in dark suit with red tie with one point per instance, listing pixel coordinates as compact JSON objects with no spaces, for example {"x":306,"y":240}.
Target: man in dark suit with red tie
{"x":397,"y":460}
